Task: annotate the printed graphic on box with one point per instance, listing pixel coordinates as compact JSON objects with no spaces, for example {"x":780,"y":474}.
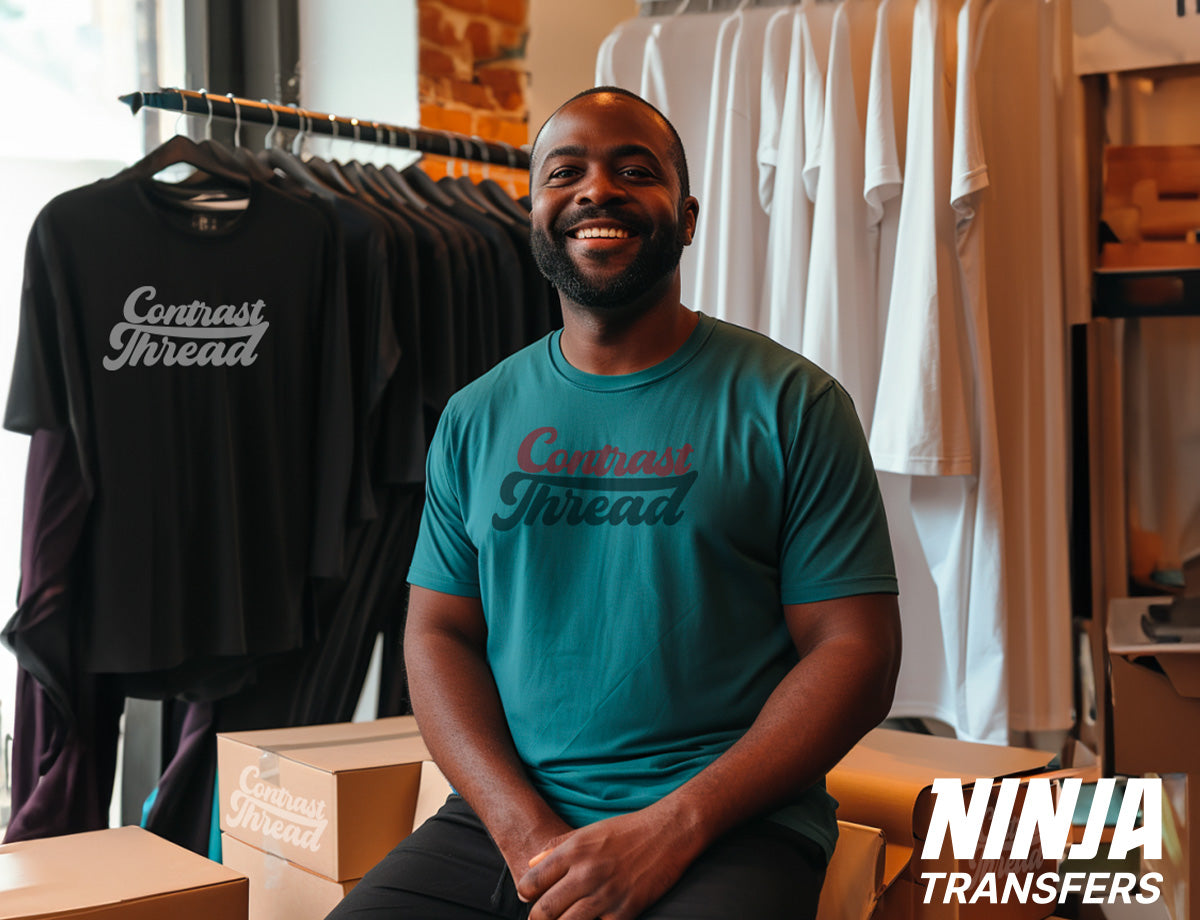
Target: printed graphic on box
{"x":274,"y":812}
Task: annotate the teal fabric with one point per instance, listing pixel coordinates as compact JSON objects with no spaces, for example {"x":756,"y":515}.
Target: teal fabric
{"x":632,"y":539}
{"x":214,"y":828}
{"x":147,"y":805}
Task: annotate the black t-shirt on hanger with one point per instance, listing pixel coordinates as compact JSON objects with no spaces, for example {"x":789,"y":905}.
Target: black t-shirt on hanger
{"x":200,"y":361}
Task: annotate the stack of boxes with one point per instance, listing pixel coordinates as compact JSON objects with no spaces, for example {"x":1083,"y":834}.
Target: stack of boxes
{"x":305,"y":812}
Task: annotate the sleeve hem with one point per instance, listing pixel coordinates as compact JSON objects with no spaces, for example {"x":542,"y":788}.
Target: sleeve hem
{"x":832,"y":590}
{"x":442,"y":584}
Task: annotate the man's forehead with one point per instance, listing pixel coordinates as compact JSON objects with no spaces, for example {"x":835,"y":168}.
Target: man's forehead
{"x":602,"y":115}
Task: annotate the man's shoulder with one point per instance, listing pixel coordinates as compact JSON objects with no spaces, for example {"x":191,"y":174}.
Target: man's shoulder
{"x":506,"y":380}
{"x":761,"y":357}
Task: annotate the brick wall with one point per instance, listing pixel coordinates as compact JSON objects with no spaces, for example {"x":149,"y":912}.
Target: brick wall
{"x":472,"y":77}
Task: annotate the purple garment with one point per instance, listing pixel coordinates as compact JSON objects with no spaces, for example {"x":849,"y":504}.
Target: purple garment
{"x":65,"y":735}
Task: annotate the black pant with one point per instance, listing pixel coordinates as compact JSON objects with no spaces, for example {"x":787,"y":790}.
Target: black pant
{"x":449,"y":869}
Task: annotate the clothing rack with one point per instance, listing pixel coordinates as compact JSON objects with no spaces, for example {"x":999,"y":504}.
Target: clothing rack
{"x":250,"y":111}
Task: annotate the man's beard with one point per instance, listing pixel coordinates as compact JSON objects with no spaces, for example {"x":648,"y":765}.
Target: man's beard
{"x":657,"y":256}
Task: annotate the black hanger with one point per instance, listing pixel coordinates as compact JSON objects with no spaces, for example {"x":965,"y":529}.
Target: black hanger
{"x":330,"y":172}
{"x":180,"y":149}
{"x":427,"y":188}
{"x":495,"y":191}
{"x":297,"y":170}
{"x":378,"y":188}
{"x":394,"y":178}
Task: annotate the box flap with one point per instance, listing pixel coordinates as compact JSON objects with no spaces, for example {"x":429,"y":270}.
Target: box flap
{"x":881,"y":780}
{"x":1180,"y":661}
{"x":896,"y":858}
{"x":342,"y":746}
{"x":1148,"y":745}
{"x":854,"y":879}
{"x":60,"y":875}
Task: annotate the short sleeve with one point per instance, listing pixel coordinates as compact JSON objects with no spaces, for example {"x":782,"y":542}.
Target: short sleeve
{"x":38,"y":397}
{"x":835,"y":539}
{"x":445,"y":559}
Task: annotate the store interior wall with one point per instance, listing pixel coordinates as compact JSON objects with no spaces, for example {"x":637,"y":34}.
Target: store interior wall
{"x":355,"y":71}
{"x":563,"y":41}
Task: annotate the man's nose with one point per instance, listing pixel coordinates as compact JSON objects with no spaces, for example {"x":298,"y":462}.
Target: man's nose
{"x":600,"y":186}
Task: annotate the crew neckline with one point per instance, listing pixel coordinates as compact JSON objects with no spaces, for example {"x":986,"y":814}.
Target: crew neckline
{"x":177,"y":220}
{"x":612,"y":382}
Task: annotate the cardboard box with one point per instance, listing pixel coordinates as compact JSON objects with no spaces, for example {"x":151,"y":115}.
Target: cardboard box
{"x":331,"y":798}
{"x":124,"y":873}
{"x":281,"y":890}
{"x":887,"y":781}
{"x":1156,"y":720}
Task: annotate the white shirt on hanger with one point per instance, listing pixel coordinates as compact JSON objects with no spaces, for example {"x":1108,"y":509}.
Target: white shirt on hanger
{"x":841,"y":313}
{"x":921,"y":423}
{"x":781,"y":185}
{"x":818,"y":27}
{"x":887,"y":119}
{"x":927,"y":424}
{"x":619,"y":59}
{"x":731,"y":240}
{"x":677,"y":78}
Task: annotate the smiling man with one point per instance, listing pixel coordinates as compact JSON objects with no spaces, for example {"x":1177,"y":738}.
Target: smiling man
{"x":653,"y":597}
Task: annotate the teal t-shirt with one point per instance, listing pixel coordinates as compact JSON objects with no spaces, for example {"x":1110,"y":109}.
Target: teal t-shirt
{"x":632,"y":539}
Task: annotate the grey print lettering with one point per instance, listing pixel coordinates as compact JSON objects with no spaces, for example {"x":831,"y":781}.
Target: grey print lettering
{"x":185,"y":334}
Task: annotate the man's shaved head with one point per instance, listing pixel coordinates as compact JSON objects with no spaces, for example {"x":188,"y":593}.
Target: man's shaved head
{"x":675,"y":148}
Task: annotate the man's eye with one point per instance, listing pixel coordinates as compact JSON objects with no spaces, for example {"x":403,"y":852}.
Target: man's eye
{"x":636,"y":172}
{"x":563,"y":172}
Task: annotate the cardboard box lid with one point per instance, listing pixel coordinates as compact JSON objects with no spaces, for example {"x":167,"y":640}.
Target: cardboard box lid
{"x":886,"y":779}
{"x":342,"y":746}
{"x":62,"y":875}
{"x":1180,"y":661}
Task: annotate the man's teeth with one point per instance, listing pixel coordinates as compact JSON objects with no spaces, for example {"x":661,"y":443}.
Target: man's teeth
{"x":604,"y":233}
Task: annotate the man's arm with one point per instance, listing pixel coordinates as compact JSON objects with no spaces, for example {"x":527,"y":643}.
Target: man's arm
{"x":458,"y":708}
{"x":841,"y":688}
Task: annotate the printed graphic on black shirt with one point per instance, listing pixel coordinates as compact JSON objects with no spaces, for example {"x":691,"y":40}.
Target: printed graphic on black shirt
{"x":185,"y":334}
{"x":557,"y":486}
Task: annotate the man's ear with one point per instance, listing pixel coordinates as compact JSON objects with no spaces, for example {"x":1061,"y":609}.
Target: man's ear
{"x":691,"y":211}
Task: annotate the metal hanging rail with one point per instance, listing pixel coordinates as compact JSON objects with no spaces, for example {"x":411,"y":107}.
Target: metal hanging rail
{"x":250,"y":111}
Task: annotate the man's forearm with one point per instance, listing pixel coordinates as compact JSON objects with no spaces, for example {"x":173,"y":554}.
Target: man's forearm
{"x":458,"y":708}
{"x":841,"y":688}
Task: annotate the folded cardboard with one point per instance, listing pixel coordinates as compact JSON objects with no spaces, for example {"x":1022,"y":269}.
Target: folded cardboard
{"x":887,"y":781}
{"x":856,"y":876}
{"x":330,"y":798}
{"x":279,"y":889}
{"x":124,"y":873}
{"x":1179,"y":661}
